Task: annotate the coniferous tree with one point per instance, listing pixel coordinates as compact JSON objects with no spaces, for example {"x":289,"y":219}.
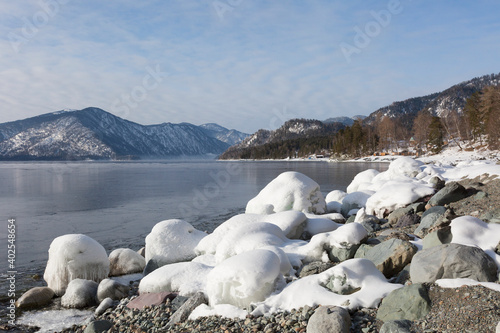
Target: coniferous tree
{"x":435,"y":136}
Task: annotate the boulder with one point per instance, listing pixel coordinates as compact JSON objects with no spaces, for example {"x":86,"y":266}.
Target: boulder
{"x":150,"y":299}
{"x":451,"y":261}
{"x":328,"y":319}
{"x":172,"y":241}
{"x":151,"y":266}
{"x":437,"y":237}
{"x":396,"y":326}
{"x":35,"y":297}
{"x":98,"y":326}
{"x":408,"y":303}
{"x":451,"y":192}
{"x":315,"y":267}
{"x":112,"y":289}
{"x":430,"y":219}
{"x":391,"y":256}
{"x":289,"y":191}
{"x":75,"y":256}
{"x":410,"y":209}
{"x":80,"y":294}
{"x":182,"y":314}
{"x":125,"y":261}
{"x":339,"y":254}
{"x":407,"y":220}
{"x":142,"y":251}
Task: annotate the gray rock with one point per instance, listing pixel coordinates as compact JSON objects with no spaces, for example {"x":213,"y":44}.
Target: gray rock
{"x":391,"y":256}
{"x":80,"y":294}
{"x":315,"y":267}
{"x":371,"y":226}
{"x":339,"y":254}
{"x":150,"y":299}
{"x":103,"y":306}
{"x":436,"y":209}
{"x":125,"y":261}
{"x":437,"y":237}
{"x":350,"y":219}
{"x":327,"y":319}
{"x":404,"y":275}
{"x":408,"y":303}
{"x":492,"y":216}
{"x":177,"y":302}
{"x":151,"y":265}
{"x":451,"y":192}
{"x":98,"y":326}
{"x":429,"y":220}
{"x":339,"y":284}
{"x":437,"y":182}
{"x":398,"y":213}
{"x":407,"y":220}
{"x":396,"y":326}
{"x":35,"y":297}
{"x":112,"y":289}
{"x":142,"y":251}
{"x":362,"y":250}
{"x":182,"y":314}
{"x":451,"y":261}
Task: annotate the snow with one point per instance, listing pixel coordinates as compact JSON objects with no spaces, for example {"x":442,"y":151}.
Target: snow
{"x":185,"y":277}
{"x":172,"y":241}
{"x":471,"y":231}
{"x":317,"y":224}
{"x":311,"y":290}
{"x":289,"y":191}
{"x":80,"y":293}
{"x":362,"y":178}
{"x":244,"y":279}
{"x":54,"y":320}
{"x":75,"y":256}
{"x":457,"y":283}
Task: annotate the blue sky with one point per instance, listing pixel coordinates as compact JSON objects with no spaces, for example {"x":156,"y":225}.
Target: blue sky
{"x":245,"y":64}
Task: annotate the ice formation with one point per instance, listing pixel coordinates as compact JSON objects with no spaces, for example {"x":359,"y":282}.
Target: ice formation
{"x":75,"y":256}
{"x":172,"y":241}
{"x":289,"y":191}
{"x":80,"y":293}
{"x":244,"y":279}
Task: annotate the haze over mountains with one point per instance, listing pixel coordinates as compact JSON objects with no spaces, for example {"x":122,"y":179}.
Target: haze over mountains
{"x":93,"y":133}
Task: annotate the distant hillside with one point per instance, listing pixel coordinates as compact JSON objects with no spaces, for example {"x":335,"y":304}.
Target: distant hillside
{"x":93,"y":133}
{"x":231,"y":137}
{"x":284,"y":141}
{"x":348,"y":121}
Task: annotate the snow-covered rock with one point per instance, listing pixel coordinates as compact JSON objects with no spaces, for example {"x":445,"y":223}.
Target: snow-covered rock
{"x":75,"y":256}
{"x":289,"y":191}
{"x":361,"y":181}
{"x":244,"y":279}
{"x":172,"y":241}
{"x":125,"y":261}
{"x":80,"y":293}
{"x":355,"y":274}
{"x":185,"y":277}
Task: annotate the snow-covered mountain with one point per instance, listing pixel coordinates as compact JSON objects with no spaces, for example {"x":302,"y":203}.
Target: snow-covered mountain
{"x":348,"y":121}
{"x":96,"y":134}
{"x":231,"y":137}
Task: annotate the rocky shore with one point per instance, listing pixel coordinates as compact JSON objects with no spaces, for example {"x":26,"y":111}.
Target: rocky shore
{"x":423,"y":248}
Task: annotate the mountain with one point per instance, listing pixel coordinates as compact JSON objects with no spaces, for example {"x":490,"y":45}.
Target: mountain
{"x":438,"y":104}
{"x":348,"y":121}
{"x":231,"y":137}
{"x":96,"y":134}
{"x":282,"y":140}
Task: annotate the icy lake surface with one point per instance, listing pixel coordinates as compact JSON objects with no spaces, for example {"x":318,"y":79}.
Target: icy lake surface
{"x":118,"y":203}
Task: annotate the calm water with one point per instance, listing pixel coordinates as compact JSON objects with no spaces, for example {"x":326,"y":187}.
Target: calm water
{"x":117,"y":203}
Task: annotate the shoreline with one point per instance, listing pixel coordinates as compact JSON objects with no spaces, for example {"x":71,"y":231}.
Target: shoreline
{"x":373,"y":326}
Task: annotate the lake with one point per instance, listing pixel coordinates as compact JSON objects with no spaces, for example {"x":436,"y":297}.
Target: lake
{"x":118,"y":203}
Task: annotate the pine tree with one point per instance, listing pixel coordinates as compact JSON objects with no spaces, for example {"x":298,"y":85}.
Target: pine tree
{"x":435,"y":136}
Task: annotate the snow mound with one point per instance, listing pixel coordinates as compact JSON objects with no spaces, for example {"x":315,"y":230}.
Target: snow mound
{"x":471,"y":231}
{"x":317,"y":224}
{"x":244,"y":279}
{"x":75,"y":256}
{"x":187,"y":278}
{"x":289,"y":191}
{"x":80,"y":294}
{"x":396,"y":194}
{"x":172,"y":241}
{"x":367,"y":284}
{"x":361,"y":180}
{"x":125,"y":261}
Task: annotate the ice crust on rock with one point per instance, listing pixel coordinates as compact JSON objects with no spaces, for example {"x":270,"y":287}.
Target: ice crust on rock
{"x":244,"y":279}
{"x":125,"y":261}
{"x":75,"y":256}
{"x":172,"y":241}
{"x":289,"y":191}
{"x":358,"y":274}
{"x":185,"y":277}
{"x":80,"y":293}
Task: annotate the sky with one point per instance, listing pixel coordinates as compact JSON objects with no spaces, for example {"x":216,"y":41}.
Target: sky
{"x":244,"y":64}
